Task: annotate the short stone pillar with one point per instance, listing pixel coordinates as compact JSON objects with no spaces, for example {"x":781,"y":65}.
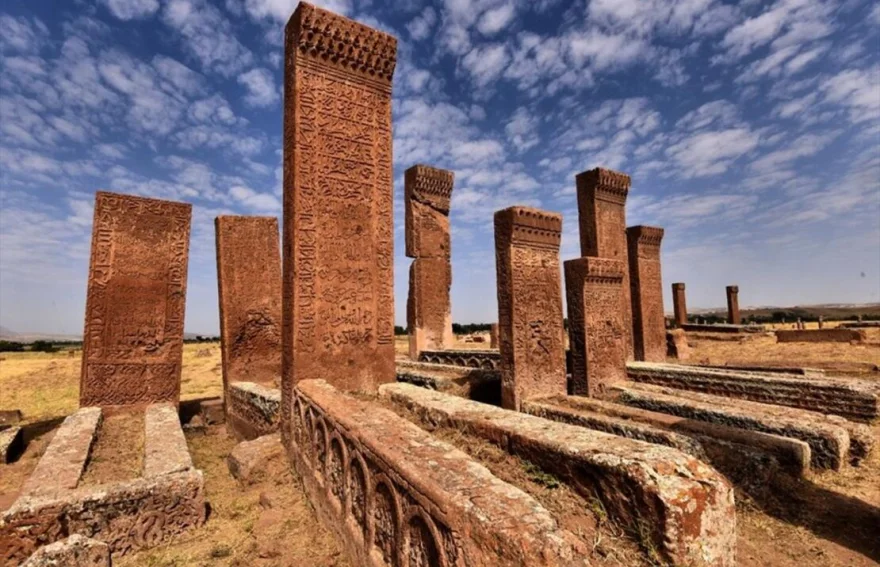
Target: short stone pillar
{"x":493,"y":335}
{"x":530,"y":317}
{"x":427,"y":196}
{"x":733,"y":305}
{"x":646,"y":290}
{"x":821,"y":322}
{"x":677,"y":344}
{"x":601,"y":195}
{"x":596,"y":324}
{"x":679,"y":305}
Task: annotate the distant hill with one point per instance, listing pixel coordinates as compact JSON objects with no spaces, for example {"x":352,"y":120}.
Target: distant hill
{"x":7,"y":334}
{"x":829,"y":311}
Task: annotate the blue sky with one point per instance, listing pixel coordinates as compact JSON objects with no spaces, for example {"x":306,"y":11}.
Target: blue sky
{"x":751,"y":131}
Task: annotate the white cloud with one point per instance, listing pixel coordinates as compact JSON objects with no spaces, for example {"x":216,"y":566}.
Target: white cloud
{"x":281,"y":10}
{"x":261,"y":202}
{"x":496,"y":19}
{"x":711,"y":152}
{"x":485,"y":64}
{"x":22,"y":34}
{"x":131,"y":9}
{"x":522,"y":129}
{"x":261,"y":88}
{"x":422,"y":25}
{"x":856,"y":90}
{"x":208,"y":35}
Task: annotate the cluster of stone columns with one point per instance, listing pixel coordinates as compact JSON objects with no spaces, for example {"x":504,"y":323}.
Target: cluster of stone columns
{"x":680,"y":305}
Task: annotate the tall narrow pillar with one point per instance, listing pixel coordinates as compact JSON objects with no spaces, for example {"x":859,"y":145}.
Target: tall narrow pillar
{"x":601,"y":195}
{"x":679,"y":304}
{"x":427,"y":195}
{"x":733,"y":305}
{"x":338,"y":239}
{"x":646,"y":290}
{"x":596,"y":326}
{"x":493,"y":335}
{"x":530,"y":319}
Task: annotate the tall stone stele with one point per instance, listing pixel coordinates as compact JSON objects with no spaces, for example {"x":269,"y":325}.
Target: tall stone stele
{"x":427,"y":195}
{"x":679,"y":304}
{"x":646,"y":291}
{"x":530,"y":318}
{"x":601,"y":195}
{"x":133,"y":338}
{"x":596,"y":324}
{"x":337,"y":277}
{"x":733,"y":316}
{"x":249,"y":291}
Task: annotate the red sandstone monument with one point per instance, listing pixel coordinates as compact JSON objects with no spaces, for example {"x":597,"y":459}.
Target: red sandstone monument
{"x":646,"y":290}
{"x":338,"y":307}
{"x":427,"y":195}
{"x":531,"y":334}
{"x":133,"y":339}
{"x":733,"y":316}
{"x":679,"y":304}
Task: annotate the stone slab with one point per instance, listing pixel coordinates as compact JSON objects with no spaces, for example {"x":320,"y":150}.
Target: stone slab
{"x":249,"y":460}
{"x":133,"y":338}
{"x":820,"y":336}
{"x":722,"y":328}
{"x":11,"y":444}
{"x":828,"y":366}
{"x":485,"y":359}
{"x":853,"y":399}
{"x":677,"y":344}
{"x":829,"y":442}
{"x":74,"y":551}
{"x":687,"y":506}
{"x":64,"y":460}
{"x":253,"y":410}
{"x":860,"y":324}
{"x":431,"y":503}
{"x":165,"y":449}
{"x":646,"y":290}
{"x":471,"y":383}
{"x":9,"y":417}
{"x":212,"y":412}
{"x":428,"y":310}
{"x":769,"y":368}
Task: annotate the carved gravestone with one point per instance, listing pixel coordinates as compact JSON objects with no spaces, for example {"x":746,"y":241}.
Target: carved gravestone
{"x":338,"y":296}
{"x":596,"y":324}
{"x":249,"y":286}
{"x":133,"y":338}
{"x":493,"y":335}
{"x":601,"y":195}
{"x":530,"y":318}
{"x":646,"y":290}
{"x":679,"y":304}
{"x":733,"y":316}
{"x":427,"y":195}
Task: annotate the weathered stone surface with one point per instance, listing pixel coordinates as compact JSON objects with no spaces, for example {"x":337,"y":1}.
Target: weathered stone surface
{"x":792,"y":455}
{"x":165,"y":449}
{"x":428,"y":311}
{"x":74,"y":551}
{"x":679,"y":304}
{"x":860,"y":324}
{"x":249,"y":291}
{"x":677,"y":344}
{"x":493,"y":335}
{"x":687,"y":506}
{"x":485,"y":359}
{"x":820,"y":336}
{"x":65,"y":458}
{"x":854,"y":399}
{"x":11,"y":443}
{"x":733,"y":316}
{"x":127,"y":516}
{"x":770,"y":368}
{"x":249,"y":460}
{"x":213,"y":412}
{"x":398,"y":496}
{"x":9,"y":417}
{"x":338,"y":306}
{"x":601,"y":195}
{"x":597,"y":327}
{"x":829,"y":442}
{"x":530,"y":318}
{"x":133,"y":338}
{"x":471,"y":383}
{"x":722,"y":328}
{"x":646,"y":291}
{"x":253,"y":410}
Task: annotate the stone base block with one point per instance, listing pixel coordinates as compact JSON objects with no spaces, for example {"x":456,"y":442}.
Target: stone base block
{"x":252,"y":410}
{"x":74,"y":551}
{"x":395,"y":495}
{"x":471,"y":383}
{"x":11,"y":444}
{"x":852,"y":399}
{"x":821,"y":336}
{"x":249,"y":460}
{"x":213,"y":412}
{"x":677,"y":345}
{"x":485,"y":359}
{"x":687,"y":507}
{"x":9,"y":417}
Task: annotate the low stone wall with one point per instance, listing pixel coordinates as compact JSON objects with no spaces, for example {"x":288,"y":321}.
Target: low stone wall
{"x":852,"y":399}
{"x":686,"y":506}
{"x":471,"y":383}
{"x":860,"y":324}
{"x":769,"y":368}
{"x":827,"y":366}
{"x":11,"y":444}
{"x":252,"y":410}
{"x":829,"y":441}
{"x":131,"y":515}
{"x":820,"y":336}
{"x":723,"y":328}
{"x":395,"y":495}
{"x":485,"y":359}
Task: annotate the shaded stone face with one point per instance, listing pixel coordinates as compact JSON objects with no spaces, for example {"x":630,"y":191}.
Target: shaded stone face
{"x":733,"y":305}
{"x":596,"y":324}
{"x":426,"y":200}
{"x":679,"y":304}
{"x":338,"y":306}
{"x":646,"y":290}
{"x":133,"y":339}
{"x":530,"y":319}
{"x":601,"y":197}
{"x":249,"y":282}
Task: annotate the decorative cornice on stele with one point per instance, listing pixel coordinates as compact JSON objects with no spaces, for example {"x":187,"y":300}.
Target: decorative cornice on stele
{"x":431,"y":185}
{"x":608,"y":184}
{"x":646,"y":235}
{"x":532,"y":227}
